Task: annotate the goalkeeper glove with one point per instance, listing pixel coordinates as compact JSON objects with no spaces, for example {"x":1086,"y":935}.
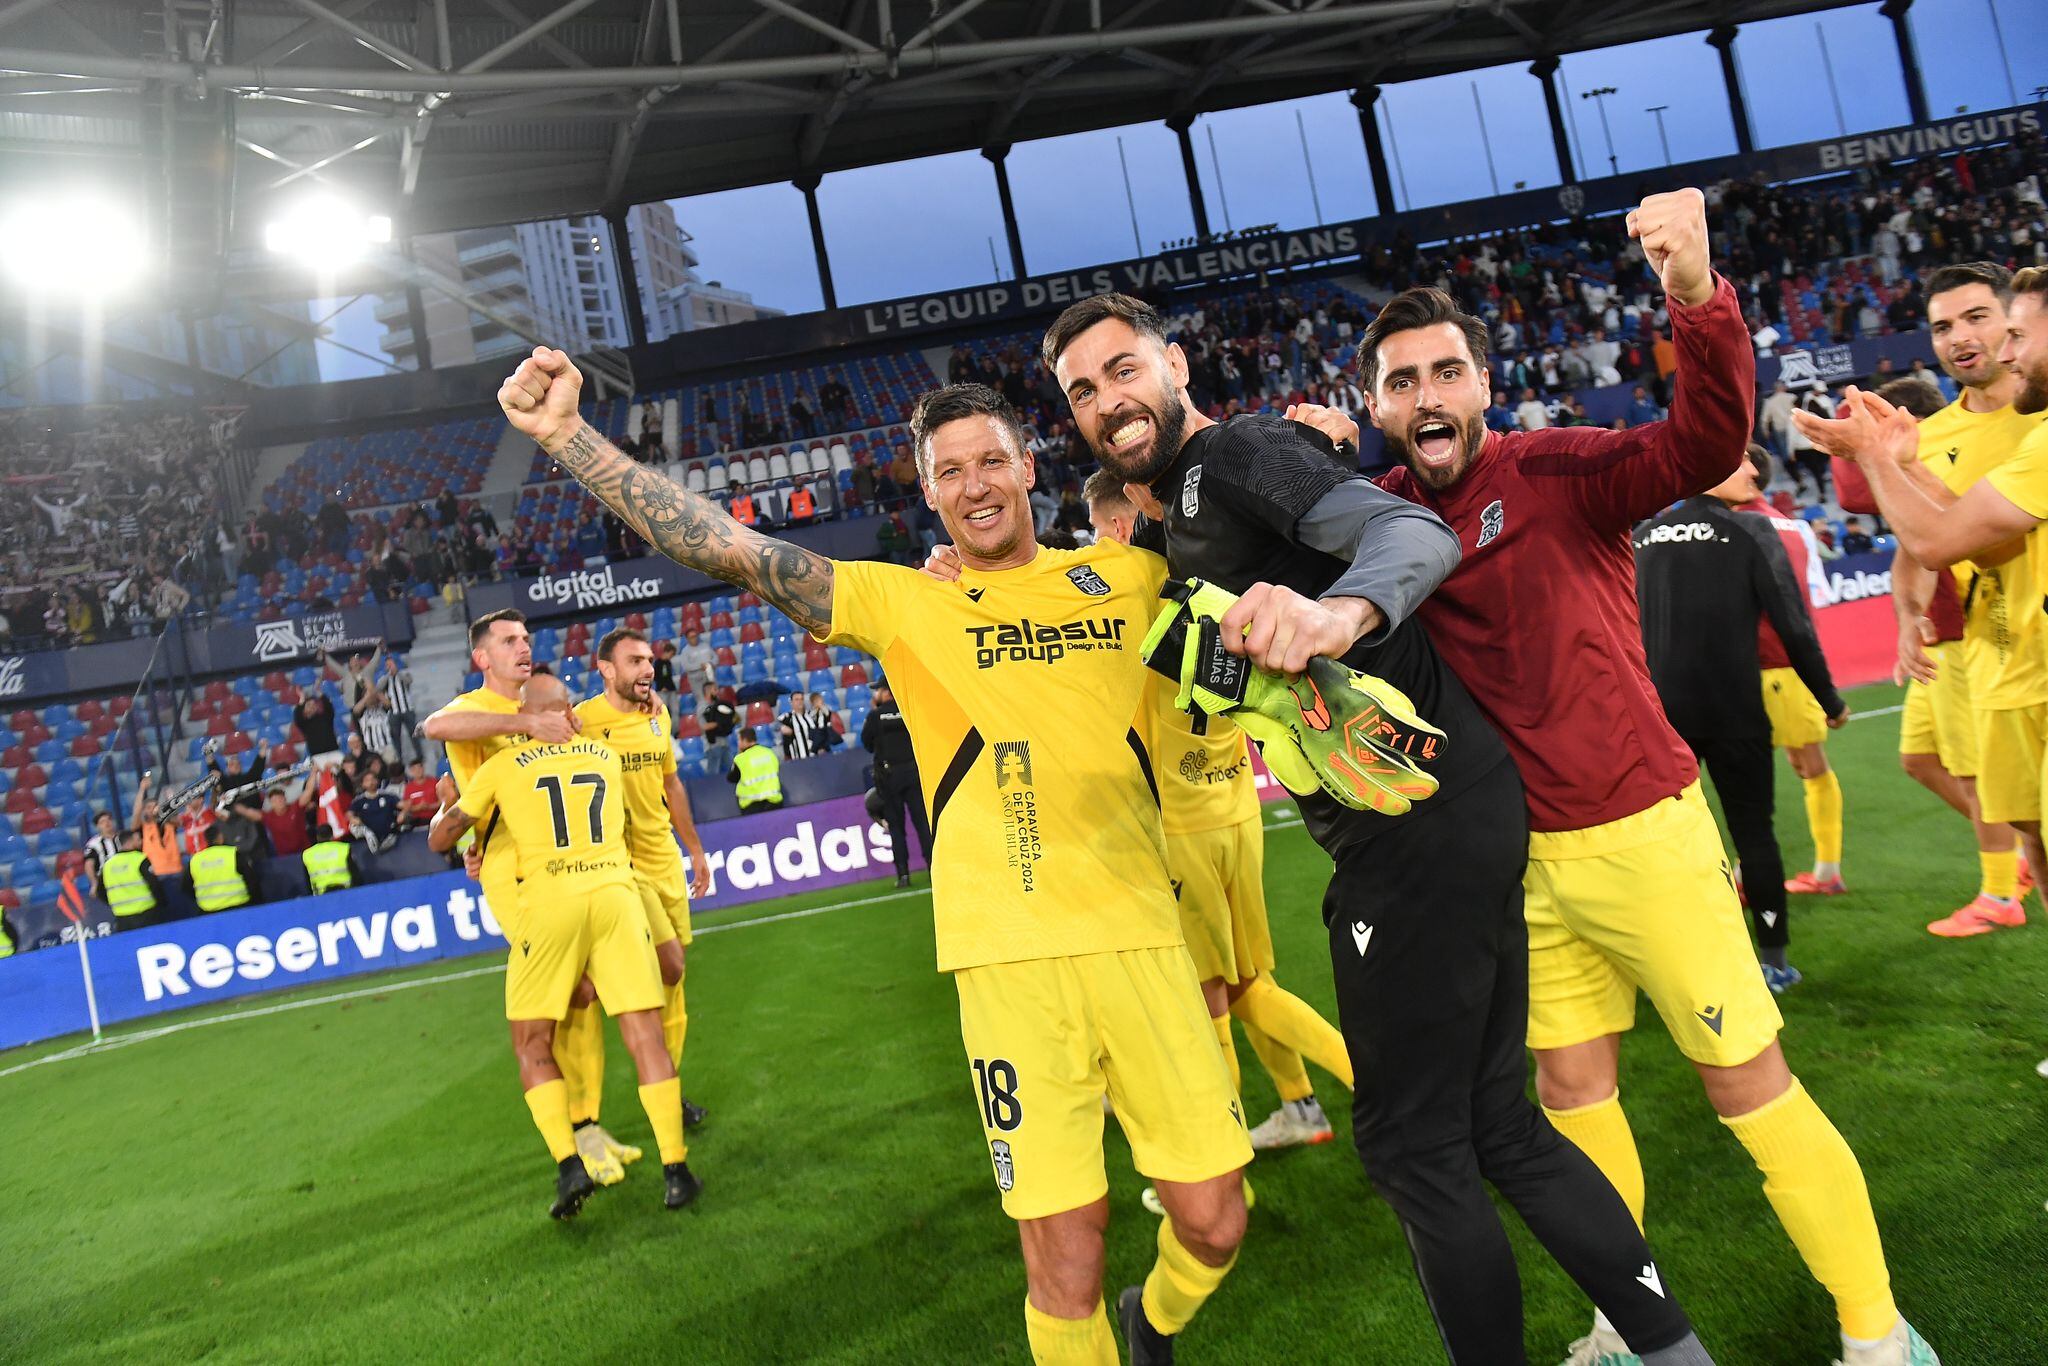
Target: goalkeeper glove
{"x":1332,"y":729}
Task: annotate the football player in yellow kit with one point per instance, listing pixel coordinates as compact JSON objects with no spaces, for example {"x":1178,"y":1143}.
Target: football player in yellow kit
{"x":1216,"y":854}
{"x":630,"y":719}
{"x":557,"y":805}
{"x":1051,"y":901}
{"x":472,"y":728}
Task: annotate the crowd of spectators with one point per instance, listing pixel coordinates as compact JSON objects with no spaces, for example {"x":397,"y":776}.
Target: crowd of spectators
{"x":111,"y":522}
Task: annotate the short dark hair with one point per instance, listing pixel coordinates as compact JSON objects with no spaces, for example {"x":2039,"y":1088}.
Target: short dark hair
{"x":610,"y":641}
{"x":1916,"y":395}
{"x":954,"y":403}
{"x":1142,"y":317}
{"x":99,"y":816}
{"x":1759,"y":459}
{"x":1104,"y":487}
{"x":1424,"y":306}
{"x":480,"y":629}
{"x":1987,"y":273}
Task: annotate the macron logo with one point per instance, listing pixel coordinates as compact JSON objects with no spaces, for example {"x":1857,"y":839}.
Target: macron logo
{"x":1651,"y":1281}
{"x":1361,"y":935}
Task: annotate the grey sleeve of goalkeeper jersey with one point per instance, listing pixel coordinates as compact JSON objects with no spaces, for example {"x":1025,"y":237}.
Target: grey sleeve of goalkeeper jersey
{"x":1398,"y":552}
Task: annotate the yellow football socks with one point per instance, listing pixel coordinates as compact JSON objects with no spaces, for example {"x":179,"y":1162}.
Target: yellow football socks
{"x":1229,"y":1045}
{"x":1602,"y":1133}
{"x":1294,"y":1022}
{"x":1179,"y":1282}
{"x":2001,"y":873}
{"x":1070,"y":1342}
{"x":663,"y":1103}
{"x":675,"y":1023}
{"x":1282,"y":1064}
{"x":549,"y":1102}
{"x":1824,"y":817}
{"x":1812,"y":1181}
{"x":579,"y":1052}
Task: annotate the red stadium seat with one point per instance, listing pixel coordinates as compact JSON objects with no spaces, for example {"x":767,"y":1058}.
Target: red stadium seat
{"x":22,"y":720}
{"x":751,"y":633}
{"x":37,"y":821}
{"x":721,"y":621}
{"x":289,"y":695}
{"x":10,"y":898}
{"x":724,"y":656}
{"x":283,"y":756}
{"x":103,"y":727}
{"x":760,"y":714}
{"x":32,"y":734}
{"x":31,"y":776}
{"x":637,"y":620}
{"x":19,"y":800}
{"x":16,"y":755}
{"x":239,"y":743}
{"x":71,"y":862}
{"x":90,"y":710}
{"x":217,"y":691}
{"x":119,"y":706}
{"x":234,"y":706}
{"x":203,"y":709}
{"x":853,"y":675}
{"x":749,"y":600}
{"x":222,"y":726}
{"x":85,"y":747}
{"x":689,"y":728}
{"x":277,"y":680}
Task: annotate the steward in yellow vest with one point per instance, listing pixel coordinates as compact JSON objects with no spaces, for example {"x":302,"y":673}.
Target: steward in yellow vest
{"x":129,"y":885}
{"x":328,"y":867}
{"x":756,"y":773}
{"x":220,"y":875}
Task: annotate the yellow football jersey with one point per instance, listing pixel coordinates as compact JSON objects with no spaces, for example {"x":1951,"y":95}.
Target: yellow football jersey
{"x":563,"y":808}
{"x":1205,"y":778}
{"x":2006,"y":656}
{"x":647,"y":754}
{"x":465,"y":757}
{"x":1028,"y":709}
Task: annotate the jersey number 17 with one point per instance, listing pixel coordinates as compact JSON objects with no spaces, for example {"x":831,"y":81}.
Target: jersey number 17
{"x":552,"y":785}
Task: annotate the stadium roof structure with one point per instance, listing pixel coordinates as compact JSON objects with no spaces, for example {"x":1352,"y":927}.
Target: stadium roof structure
{"x":458,"y":113}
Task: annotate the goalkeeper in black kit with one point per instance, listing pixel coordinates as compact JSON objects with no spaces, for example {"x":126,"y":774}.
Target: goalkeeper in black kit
{"x":1424,"y":908}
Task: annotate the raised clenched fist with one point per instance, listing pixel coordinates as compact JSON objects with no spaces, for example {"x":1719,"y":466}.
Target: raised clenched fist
{"x":1673,"y":230}
{"x":540,"y":397}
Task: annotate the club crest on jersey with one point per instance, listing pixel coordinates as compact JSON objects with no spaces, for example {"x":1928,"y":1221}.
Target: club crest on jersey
{"x":1013,"y":763}
{"x":1006,"y":1166}
{"x":1088,"y":581}
{"x":1490,"y":523}
{"x":1191,"y":492}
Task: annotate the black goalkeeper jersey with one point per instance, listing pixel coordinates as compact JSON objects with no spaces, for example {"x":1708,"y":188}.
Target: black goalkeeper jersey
{"x":1233,"y":500}
{"x":1705,"y":574}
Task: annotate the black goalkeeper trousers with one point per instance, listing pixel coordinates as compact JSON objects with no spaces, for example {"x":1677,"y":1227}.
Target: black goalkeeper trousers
{"x":1746,"y":783}
{"x":1431,"y":957}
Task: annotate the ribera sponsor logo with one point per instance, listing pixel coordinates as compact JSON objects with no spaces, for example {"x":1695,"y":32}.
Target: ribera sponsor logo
{"x":600,"y":587}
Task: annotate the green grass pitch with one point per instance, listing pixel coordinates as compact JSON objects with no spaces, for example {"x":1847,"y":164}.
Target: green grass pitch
{"x":358,"y":1180}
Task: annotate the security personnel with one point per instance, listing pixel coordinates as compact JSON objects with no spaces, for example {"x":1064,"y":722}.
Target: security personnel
{"x":6,"y":940}
{"x":757,"y":771}
{"x":885,"y":736}
{"x":130,"y":885}
{"x":221,"y":875}
{"x":742,"y":505}
{"x":330,"y":866}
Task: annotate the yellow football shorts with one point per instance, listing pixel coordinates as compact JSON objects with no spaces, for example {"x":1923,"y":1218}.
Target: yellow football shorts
{"x":1047,"y":1038}
{"x":2010,"y":750}
{"x":562,"y":936}
{"x":1938,"y":718}
{"x":666,"y":898}
{"x":1644,"y":902}
{"x":1220,"y":882}
{"x":1796,"y":718}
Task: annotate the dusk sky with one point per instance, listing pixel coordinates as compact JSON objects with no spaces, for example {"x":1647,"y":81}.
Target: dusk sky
{"x":928,"y":224}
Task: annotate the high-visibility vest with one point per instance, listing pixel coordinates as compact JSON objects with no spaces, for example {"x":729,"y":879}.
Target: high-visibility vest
{"x":760,"y":775}
{"x":121,"y":878}
{"x":6,"y":944}
{"x":327,"y":867}
{"x":217,"y":884}
{"x":743,"y":509}
{"x":801,"y":504}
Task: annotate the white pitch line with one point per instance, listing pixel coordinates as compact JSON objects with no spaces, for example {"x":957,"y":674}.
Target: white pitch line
{"x":139,"y":1036}
{"x":1881,"y":711}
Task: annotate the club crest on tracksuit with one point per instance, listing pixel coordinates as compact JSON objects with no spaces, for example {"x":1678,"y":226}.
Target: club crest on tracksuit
{"x":1490,"y":522}
{"x":1006,"y":1167}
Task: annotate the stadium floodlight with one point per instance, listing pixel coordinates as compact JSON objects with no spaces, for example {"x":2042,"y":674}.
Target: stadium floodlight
{"x":325,"y":232}
{"x":78,"y":242}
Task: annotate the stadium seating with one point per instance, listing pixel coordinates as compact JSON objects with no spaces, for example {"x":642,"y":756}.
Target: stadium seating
{"x":398,"y":466}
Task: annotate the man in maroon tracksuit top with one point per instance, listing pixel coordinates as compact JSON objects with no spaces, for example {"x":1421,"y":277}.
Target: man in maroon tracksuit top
{"x":1628,"y":886}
